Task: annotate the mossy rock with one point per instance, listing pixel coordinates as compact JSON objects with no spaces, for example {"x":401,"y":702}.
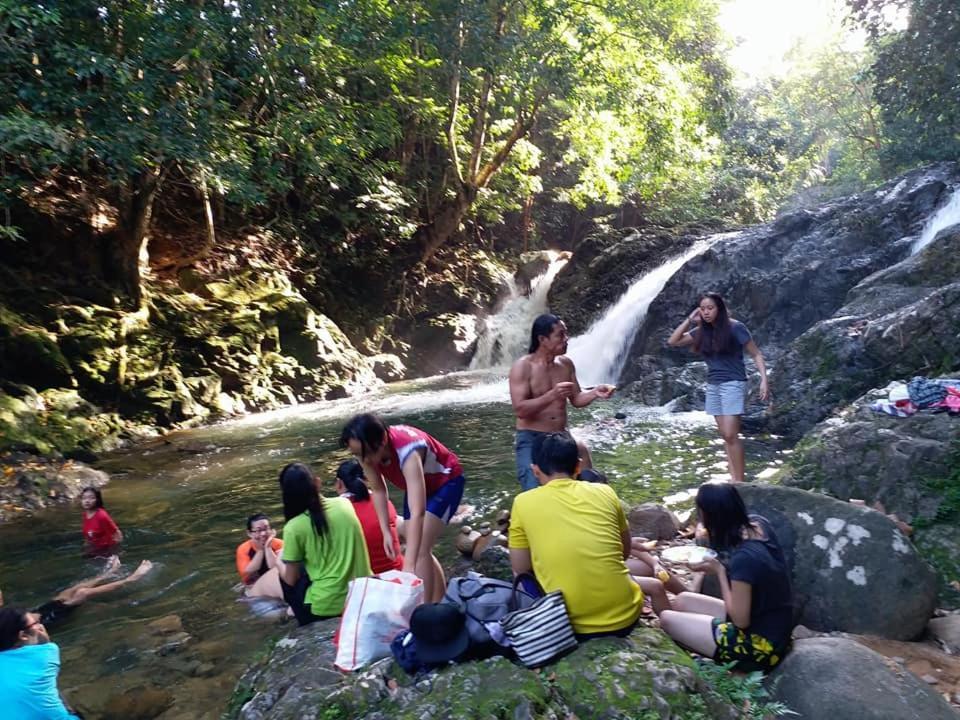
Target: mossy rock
{"x":30,"y":354}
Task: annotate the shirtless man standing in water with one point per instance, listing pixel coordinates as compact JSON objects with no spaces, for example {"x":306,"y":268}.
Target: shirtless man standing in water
{"x":541,"y":382}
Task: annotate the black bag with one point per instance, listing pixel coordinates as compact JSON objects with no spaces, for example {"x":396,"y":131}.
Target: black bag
{"x":485,"y":600}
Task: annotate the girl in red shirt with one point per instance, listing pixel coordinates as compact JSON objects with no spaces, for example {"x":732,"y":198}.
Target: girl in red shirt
{"x":100,"y":532}
{"x":350,"y":484}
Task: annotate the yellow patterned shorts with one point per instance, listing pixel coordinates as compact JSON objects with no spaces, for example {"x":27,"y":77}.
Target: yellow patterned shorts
{"x":749,"y":650}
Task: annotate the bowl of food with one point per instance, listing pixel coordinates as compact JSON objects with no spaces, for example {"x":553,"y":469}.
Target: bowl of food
{"x":688,"y":554}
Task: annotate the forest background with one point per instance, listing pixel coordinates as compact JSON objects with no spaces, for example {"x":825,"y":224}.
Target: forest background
{"x":370,"y":146}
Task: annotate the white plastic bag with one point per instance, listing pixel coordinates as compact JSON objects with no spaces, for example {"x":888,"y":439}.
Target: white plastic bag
{"x":377,"y":609}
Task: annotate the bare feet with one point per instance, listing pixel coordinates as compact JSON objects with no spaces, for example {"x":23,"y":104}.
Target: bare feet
{"x":113,"y":565}
{"x":142,"y":569}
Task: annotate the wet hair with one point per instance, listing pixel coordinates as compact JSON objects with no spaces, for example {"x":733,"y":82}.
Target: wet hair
{"x":723,"y":514}
{"x":253,"y":518}
{"x":350,"y":473}
{"x":716,"y":337}
{"x":542,"y":327}
{"x":368,"y":429}
{"x":13,"y":621}
{"x":96,"y":492}
{"x":556,"y":453}
{"x":300,"y":495}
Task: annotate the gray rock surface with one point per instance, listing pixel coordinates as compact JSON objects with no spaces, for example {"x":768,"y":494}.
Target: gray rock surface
{"x":840,"y":679}
{"x":947,"y":630}
{"x":853,"y":570}
{"x":653,"y":522}
{"x":643,"y":676}
{"x":900,"y":322}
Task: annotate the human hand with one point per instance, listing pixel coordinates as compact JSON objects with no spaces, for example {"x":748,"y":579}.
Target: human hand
{"x":695,"y":317}
{"x":271,"y":536}
{"x":710,"y":566}
{"x":563,"y":389}
{"x":388,"y":547}
{"x":764,"y":390}
{"x":604,"y":391}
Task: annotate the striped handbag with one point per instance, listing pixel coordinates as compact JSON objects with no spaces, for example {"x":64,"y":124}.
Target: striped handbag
{"x":542,"y":632}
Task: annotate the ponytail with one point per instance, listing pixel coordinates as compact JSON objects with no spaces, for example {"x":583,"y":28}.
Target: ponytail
{"x":350,"y":473}
{"x":300,"y":495}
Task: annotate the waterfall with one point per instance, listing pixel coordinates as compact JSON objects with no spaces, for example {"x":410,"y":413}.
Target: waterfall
{"x":601,"y":352}
{"x":507,"y":333}
{"x":946,"y":216}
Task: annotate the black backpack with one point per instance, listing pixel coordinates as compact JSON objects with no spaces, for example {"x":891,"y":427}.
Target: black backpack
{"x":485,"y":600}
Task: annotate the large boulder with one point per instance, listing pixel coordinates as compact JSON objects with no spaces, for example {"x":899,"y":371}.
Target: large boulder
{"x":643,"y":676}
{"x":895,"y":324}
{"x":784,"y":277}
{"x":840,"y":679}
{"x":863,"y":454}
{"x":852,"y":569}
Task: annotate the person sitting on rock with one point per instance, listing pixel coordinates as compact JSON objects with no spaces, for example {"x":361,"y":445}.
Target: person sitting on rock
{"x":349,"y":484}
{"x":29,"y":667}
{"x":643,"y":564}
{"x":57,"y":609}
{"x":323,"y":547}
{"x":573,"y":536}
{"x":257,"y":559}
{"x":751,"y":625}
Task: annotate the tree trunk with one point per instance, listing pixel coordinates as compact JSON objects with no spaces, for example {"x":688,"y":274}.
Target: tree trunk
{"x":445,"y":224}
{"x":131,"y":234}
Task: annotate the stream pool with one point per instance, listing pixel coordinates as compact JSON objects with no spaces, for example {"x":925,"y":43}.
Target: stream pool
{"x":182,"y":503}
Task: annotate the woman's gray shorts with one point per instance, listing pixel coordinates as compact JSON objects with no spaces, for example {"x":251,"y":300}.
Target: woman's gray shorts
{"x":726,"y":398}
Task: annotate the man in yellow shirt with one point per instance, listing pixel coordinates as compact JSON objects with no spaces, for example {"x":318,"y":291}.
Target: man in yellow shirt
{"x":573,"y":535}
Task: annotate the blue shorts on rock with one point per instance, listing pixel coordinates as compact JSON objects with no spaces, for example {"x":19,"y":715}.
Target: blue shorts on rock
{"x":28,"y":683}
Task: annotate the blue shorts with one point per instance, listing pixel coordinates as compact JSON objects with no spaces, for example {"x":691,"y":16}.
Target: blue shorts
{"x":523,"y":448}
{"x":726,"y":398}
{"x":444,"y":502}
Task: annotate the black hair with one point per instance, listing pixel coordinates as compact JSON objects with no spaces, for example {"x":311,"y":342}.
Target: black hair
{"x":13,"y":621}
{"x":368,"y":429}
{"x":97,"y":494}
{"x":556,"y":453}
{"x":350,"y":473}
{"x":542,"y":327}
{"x":300,"y":495}
{"x":594,"y":476}
{"x":253,"y":518}
{"x":716,"y":337}
{"x":723,"y":514}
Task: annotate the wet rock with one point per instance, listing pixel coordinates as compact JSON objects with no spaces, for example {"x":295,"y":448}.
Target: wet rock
{"x":494,"y":562}
{"x":144,"y":703}
{"x":166,"y":625}
{"x":387,"y":367}
{"x":658,"y":386}
{"x":609,"y":678}
{"x":840,"y":679}
{"x":852,"y":568}
{"x":875,"y":457}
{"x":441,"y":343}
{"x":653,"y":521}
{"x":947,"y":630}
{"x":895,"y":324}
{"x":29,"y":483}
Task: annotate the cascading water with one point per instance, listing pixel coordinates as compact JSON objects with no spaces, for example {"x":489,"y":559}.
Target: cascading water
{"x":946,"y":216}
{"x":601,"y":352}
{"x":507,"y":333}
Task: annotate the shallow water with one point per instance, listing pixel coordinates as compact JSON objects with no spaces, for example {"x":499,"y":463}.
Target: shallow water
{"x":182,"y":503}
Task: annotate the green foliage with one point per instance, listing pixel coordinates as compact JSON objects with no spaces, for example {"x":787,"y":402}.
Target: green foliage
{"x":744,"y":691}
{"x":916,"y":76}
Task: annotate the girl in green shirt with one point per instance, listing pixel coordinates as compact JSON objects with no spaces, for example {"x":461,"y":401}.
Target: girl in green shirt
{"x":323,"y":547}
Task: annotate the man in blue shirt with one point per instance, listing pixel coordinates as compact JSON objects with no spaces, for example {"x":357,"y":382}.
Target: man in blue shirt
{"x":29,"y":666}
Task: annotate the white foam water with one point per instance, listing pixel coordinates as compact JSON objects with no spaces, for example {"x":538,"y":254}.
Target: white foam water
{"x":946,"y":216}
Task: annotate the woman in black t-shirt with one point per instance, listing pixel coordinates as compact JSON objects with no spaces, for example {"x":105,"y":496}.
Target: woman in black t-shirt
{"x":751,"y":625}
{"x":711,"y":332}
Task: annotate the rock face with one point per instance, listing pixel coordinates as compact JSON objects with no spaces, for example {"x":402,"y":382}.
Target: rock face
{"x":841,"y":679}
{"x":653,"y":522}
{"x":250,"y":342}
{"x":643,"y":676}
{"x":783,"y":278}
{"x":895,"y":324}
{"x":603,"y":267}
{"x":875,"y":457}
{"x":32,"y":484}
{"x":853,"y":570}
